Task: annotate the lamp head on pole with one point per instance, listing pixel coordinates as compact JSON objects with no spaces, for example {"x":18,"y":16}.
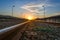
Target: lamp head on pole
{"x":13,"y":6}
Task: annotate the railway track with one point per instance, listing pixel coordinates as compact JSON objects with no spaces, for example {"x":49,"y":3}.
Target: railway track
{"x":40,"y":31}
{"x":33,"y":30}
{"x":10,"y":32}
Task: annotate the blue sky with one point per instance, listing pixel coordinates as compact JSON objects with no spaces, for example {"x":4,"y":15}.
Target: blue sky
{"x":52,"y":7}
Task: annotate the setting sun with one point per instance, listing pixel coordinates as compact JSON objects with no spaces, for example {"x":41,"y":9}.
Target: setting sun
{"x":30,"y":18}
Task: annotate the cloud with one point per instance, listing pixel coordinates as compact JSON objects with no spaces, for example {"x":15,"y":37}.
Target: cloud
{"x":54,"y":14}
{"x":37,"y":8}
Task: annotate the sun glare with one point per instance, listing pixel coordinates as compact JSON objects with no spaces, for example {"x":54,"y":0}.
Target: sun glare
{"x":30,"y":18}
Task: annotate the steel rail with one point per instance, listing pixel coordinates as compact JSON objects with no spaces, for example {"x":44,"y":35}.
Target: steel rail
{"x":2,"y":31}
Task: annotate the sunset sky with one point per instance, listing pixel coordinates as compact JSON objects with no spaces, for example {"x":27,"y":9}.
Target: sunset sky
{"x":34,"y":7}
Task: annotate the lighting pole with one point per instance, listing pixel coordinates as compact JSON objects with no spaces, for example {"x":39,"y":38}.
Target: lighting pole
{"x":13,"y":9}
{"x":44,"y":10}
